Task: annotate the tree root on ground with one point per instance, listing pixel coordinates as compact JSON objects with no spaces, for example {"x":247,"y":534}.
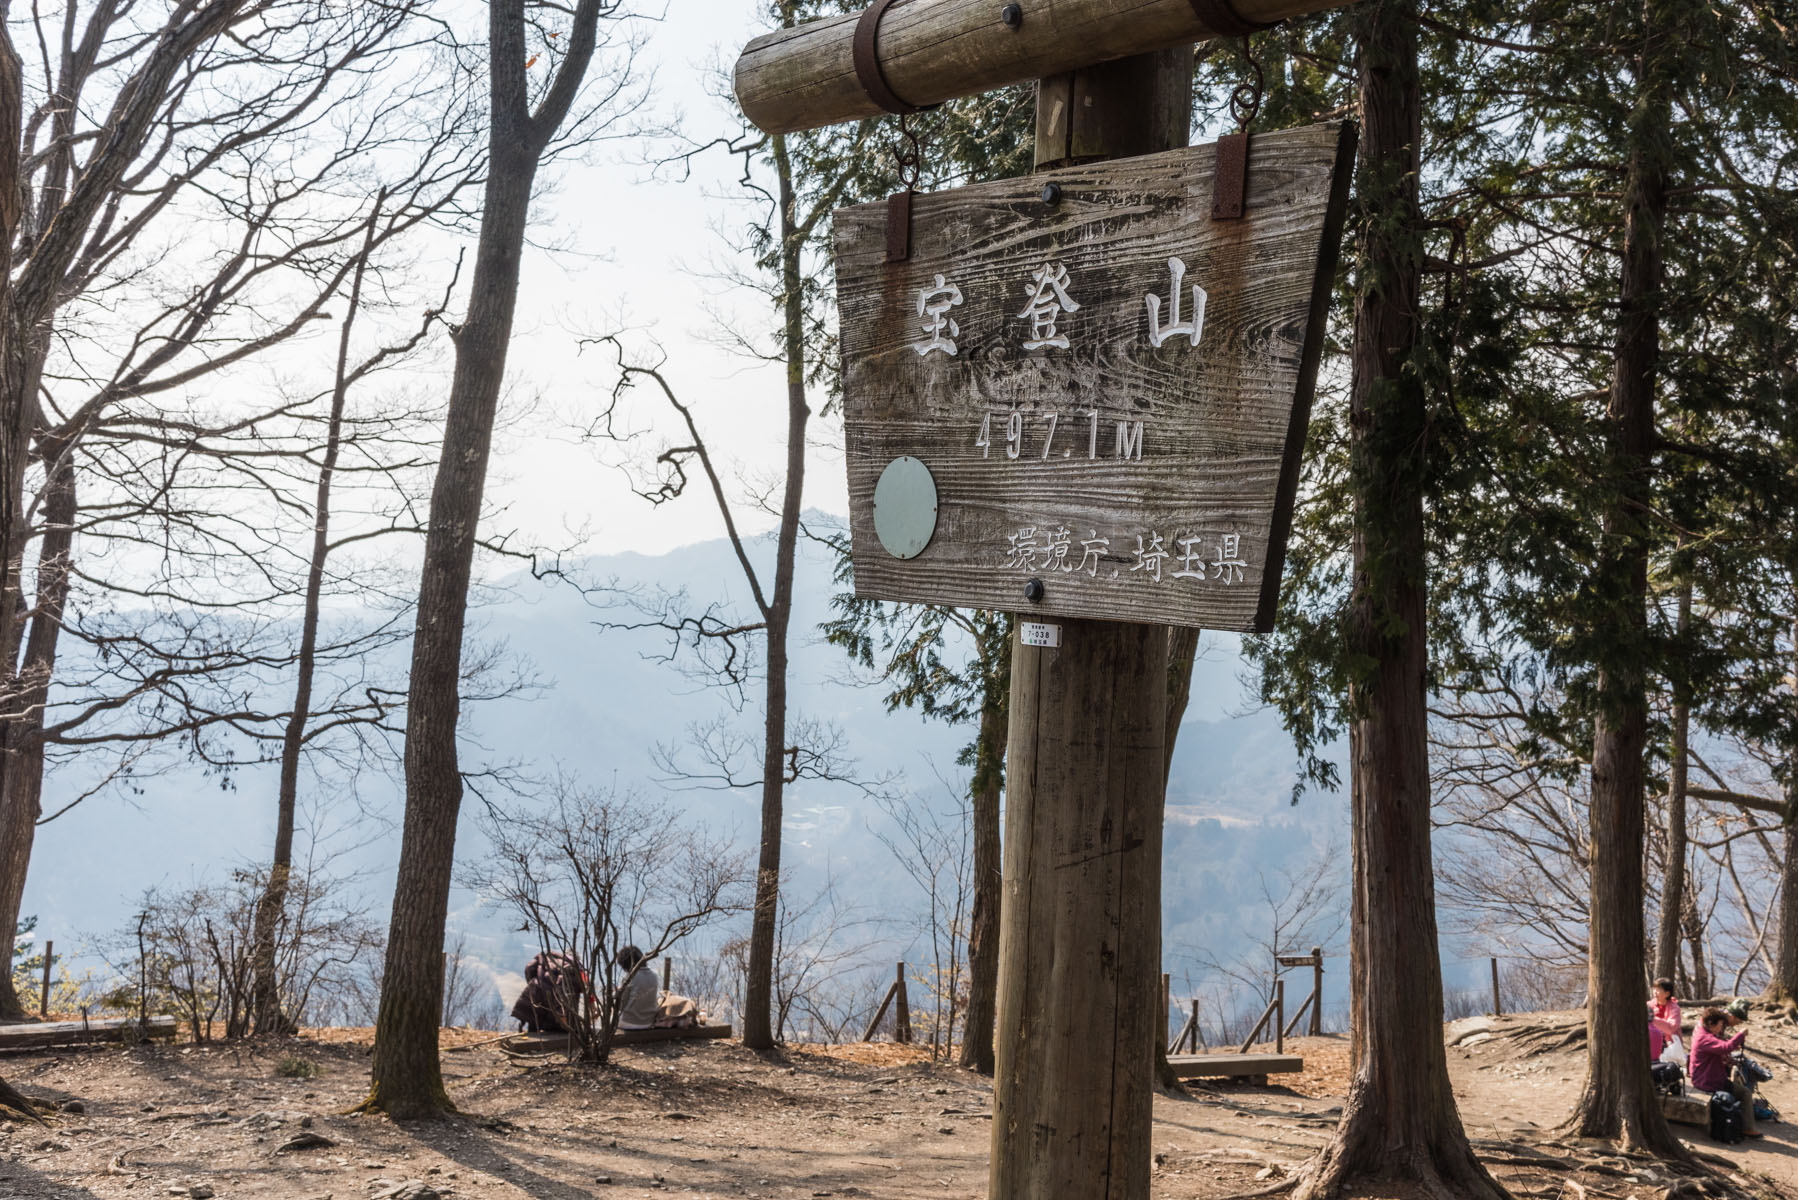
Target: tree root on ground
{"x":14,"y":1101}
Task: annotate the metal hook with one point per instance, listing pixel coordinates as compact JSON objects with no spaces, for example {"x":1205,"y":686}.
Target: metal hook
{"x":1245,"y":99}
{"x":909,"y":157}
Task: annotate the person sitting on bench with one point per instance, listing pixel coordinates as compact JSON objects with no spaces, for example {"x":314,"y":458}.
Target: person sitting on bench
{"x":1663,"y":1020}
{"x":638,"y":996}
{"x":1711,"y":1059}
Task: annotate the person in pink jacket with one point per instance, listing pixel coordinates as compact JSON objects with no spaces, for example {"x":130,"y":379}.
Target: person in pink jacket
{"x":1663,"y":1019}
{"x":1711,"y":1062}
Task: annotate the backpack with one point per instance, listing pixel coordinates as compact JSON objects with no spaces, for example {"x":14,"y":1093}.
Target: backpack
{"x":1751,"y":1071}
{"x":551,"y":999}
{"x":1667,"y":1078}
{"x":1726,"y":1118}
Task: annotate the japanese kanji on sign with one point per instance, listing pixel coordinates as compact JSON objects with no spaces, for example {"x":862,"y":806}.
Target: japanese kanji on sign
{"x":1107,"y":390}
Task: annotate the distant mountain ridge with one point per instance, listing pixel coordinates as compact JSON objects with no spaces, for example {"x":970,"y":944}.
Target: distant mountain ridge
{"x":608,"y":703}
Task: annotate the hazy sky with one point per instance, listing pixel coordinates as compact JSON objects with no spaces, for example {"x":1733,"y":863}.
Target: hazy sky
{"x":634,"y":249}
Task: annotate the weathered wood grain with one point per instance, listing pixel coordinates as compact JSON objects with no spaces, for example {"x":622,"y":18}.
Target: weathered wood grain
{"x":1218,"y":1066}
{"x":551,"y":1043}
{"x":1080,"y":946}
{"x":1222,"y":422}
{"x":935,"y":50}
{"x":76,"y":1033}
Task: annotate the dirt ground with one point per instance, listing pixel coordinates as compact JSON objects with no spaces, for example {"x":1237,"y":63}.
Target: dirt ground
{"x":711,"y":1119}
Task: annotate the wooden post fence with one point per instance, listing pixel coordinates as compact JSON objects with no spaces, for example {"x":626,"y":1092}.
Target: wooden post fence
{"x":901,"y":1008}
{"x":1314,"y":1003}
{"x":901,"y":1014}
{"x":43,"y":1000}
{"x":1280,"y":1010}
{"x":1275,"y":1012}
{"x":1317,"y":993}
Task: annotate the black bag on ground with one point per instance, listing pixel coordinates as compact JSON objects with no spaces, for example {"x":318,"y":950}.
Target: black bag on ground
{"x":1726,"y":1118}
{"x":1668,"y":1078}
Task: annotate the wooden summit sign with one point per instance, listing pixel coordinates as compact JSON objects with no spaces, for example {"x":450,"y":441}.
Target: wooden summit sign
{"x":1080,"y":395}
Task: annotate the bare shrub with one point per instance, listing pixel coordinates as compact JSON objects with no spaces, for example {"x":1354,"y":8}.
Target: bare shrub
{"x":1541,"y":985}
{"x":829,"y":964}
{"x":936,"y":848}
{"x":187,"y":953}
{"x":595,"y":870}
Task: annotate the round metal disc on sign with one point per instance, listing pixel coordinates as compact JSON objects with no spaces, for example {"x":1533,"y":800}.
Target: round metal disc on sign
{"x":905,"y":507}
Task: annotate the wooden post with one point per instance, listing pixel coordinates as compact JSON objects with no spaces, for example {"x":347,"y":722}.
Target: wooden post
{"x":1080,"y":937}
{"x":1279,"y":1016}
{"x":667,"y":973}
{"x":901,"y":1008}
{"x":1317,"y":992}
{"x":800,"y":78}
{"x":1198,"y":1036}
{"x":43,"y":1000}
{"x":1080,"y":926}
{"x":874,"y":1025}
{"x":1496,"y":1010}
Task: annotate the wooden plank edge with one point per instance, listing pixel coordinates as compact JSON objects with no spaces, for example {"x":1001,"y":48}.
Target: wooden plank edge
{"x":1286,"y":491}
{"x":624,"y":1037}
{"x":1189,"y":1066}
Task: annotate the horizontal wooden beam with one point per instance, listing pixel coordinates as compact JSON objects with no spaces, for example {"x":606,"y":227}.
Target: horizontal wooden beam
{"x":1214,"y":1066}
{"x":45,"y":1034}
{"x":549,"y":1043}
{"x":934,"y":50}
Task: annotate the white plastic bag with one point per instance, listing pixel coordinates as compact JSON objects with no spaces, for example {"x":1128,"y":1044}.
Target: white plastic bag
{"x":1674,"y":1052}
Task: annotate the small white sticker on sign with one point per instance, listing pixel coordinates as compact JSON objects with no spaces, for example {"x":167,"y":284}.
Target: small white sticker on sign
{"x":1035,"y":633}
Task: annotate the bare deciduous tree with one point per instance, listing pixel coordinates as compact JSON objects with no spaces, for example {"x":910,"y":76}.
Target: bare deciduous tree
{"x":934,"y":846}
{"x":595,"y":870}
{"x":195,"y":250}
{"x":526,"y":123}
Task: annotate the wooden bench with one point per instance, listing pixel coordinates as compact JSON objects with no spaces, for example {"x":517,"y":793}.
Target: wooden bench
{"x":45,"y":1034}
{"x":551,"y":1043}
{"x":1693,"y":1108}
{"x":1253,"y":1067}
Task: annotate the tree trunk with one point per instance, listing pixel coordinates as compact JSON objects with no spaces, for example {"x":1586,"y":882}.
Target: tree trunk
{"x":265,"y":989}
{"x":1399,"y":1122}
{"x":986,"y":792}
{"x":22,"y":780}
{"x":758,"y":1030}
{"x":1618,"y":1100}
{"x":1673,"y":876}
{"x":28,"y":299}
{"x":1783,"y":987}
{"x":407,"y":1077}
{"x":1702,"y":983}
